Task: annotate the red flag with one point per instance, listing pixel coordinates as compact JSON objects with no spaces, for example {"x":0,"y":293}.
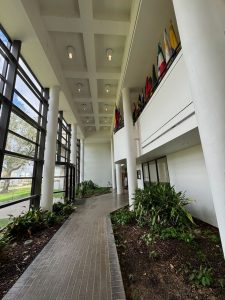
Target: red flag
{"x":161,"y":62}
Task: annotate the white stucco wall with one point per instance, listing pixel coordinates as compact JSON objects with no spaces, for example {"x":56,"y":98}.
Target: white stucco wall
{"x":97,"y":163}
{"x":187,"y":173}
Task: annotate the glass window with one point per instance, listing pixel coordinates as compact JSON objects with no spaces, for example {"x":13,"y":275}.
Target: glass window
{"x":18,"y":145}
{"x":153,"y":172}
{"x":26,"y":92}
{"x":146,"y":174}
{"x":21,"y":127}
{"x":163,"y":170}
{"x":14,"y":189}
{"x":16,"y":167}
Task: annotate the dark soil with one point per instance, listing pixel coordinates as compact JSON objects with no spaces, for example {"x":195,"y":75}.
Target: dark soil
{"x":17,"y":257}
{"x":166,"y":276}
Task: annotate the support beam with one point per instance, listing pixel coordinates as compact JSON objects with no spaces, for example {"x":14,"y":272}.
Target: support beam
{"x":50,"y":150}
{"x":201,"y":26}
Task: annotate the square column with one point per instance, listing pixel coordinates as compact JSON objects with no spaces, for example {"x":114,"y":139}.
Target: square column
{"x":130,"y":145}
{"x":201,"y":25}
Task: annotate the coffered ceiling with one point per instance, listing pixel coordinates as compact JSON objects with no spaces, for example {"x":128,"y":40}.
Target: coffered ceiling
{"x":90,"y":27}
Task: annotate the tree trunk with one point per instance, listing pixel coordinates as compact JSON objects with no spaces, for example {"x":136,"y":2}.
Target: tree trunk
{"x":5,"y":188}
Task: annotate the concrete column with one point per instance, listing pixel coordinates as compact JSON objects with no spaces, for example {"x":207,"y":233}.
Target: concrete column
{"x":74,"y":144}
{"x":118,"y":179}
{"x":113,"y":166}
{"x":130,"y":145}
{"x":81,"y":160}
{"x":201,"y":26}
{"x":50,"y":150}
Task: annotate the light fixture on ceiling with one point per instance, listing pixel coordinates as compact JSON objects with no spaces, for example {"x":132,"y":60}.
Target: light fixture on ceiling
{"x":105,"y":120}
{"x":107,"y":88}
{"x":79,"y":86}
{"x":70,"y":52}
{"x":84,"y":106}
{"x":106,"y":108}
{"x":87,"y":120}
{"x":109,"y":53}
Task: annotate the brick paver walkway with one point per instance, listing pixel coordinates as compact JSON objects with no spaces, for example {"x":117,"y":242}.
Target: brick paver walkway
{"x":80,"y":261}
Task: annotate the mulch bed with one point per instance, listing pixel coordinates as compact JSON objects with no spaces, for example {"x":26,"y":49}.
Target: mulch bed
{"x":166,"y":276}
{"x":18,"y":256}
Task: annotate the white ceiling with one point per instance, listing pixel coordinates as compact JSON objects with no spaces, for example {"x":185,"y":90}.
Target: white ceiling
{"x":90,"y":27}
{"x":132,"y":28}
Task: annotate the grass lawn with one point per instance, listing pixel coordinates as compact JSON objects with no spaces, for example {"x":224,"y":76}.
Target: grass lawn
{"x":4,"y":222}
{"x":15,"y":194}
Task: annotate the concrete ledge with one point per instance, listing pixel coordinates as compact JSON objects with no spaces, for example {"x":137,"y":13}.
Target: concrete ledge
{"x":118,"y":292}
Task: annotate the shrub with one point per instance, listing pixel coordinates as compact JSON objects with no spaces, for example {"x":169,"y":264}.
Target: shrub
{"x":62,"y":209}
{"x":4,"y":241}
{"x":89,"y":188}
{"x":202,"y":276}
{"x":123,"y":217}
{"x":30,"y":222}
{"x":177,"y":233}
{"x":159,"y":205}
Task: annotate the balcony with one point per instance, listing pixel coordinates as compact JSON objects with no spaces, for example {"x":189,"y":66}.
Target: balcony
{"x":170,"y":111}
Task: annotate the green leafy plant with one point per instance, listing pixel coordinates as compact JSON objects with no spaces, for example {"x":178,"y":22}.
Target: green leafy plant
{"x":160,"y":205}
{"x":181,"y":234}
{"x":4,"y":241}
{"x":221,"y":283}
{"x":89,"y":188}
{"x":63,"y":209}
{"x":148,"y":238}
{"x":202,"y":276}
{"x":122,"y":217}
{"x":153,"y":254}
{"x":214,"y":238}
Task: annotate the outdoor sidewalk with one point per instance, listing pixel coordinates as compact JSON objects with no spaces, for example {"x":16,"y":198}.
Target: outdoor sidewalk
{"x":80,"y":261}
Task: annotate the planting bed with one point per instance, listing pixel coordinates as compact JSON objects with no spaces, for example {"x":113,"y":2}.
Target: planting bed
{"x":163,"y":269}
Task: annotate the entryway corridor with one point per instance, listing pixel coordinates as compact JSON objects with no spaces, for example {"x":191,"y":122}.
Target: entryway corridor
{"x":80,"y":261}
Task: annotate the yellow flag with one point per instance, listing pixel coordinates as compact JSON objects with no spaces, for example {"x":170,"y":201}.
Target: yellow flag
{"x":173,"y":39}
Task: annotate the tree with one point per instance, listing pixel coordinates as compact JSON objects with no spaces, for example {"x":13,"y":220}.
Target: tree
{"x":17,"y":145}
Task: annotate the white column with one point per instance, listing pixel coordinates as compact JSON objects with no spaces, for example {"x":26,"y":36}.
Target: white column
{"x":50,"y":150}
{"x":201,"y":25}
{"x":130,"y":145}
{"x":118,"y":179}
{"x":81,"y":160}
{"x":74,"y":144}
{"x":113,"y":166}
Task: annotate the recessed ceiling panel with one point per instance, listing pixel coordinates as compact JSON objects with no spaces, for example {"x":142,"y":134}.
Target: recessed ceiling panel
{"x":87,"y":121}
{"x":84,"y":108}
{"x":79,"y":87}
{"x":117,"y":10}
{"x":63,"y":8}
{"x":105,"y":121}
{"x":107,"y":88}
{"x":105,"y":108}
{"x":105,"y":128}
{"x":61,"y":42}
{"x":104,"y":42}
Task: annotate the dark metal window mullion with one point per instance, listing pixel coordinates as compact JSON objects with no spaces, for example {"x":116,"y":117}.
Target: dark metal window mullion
{"x":6,"y":109}
{"x":39,"y":153}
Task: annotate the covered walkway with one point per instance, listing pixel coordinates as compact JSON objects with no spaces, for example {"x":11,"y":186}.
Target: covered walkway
{"x":80,"y":261}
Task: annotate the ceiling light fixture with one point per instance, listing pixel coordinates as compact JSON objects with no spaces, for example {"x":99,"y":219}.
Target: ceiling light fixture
{"x":84,"y":106}
{"x":70,"y":52}
{"x":107,"y":88}
{"x":109,"y":54}
{"x":79,"y":87}
{"x":106,"y":108}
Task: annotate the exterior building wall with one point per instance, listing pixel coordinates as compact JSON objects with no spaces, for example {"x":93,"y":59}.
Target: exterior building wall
{"x":97,"y":163}
{"x":187,"y":173}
